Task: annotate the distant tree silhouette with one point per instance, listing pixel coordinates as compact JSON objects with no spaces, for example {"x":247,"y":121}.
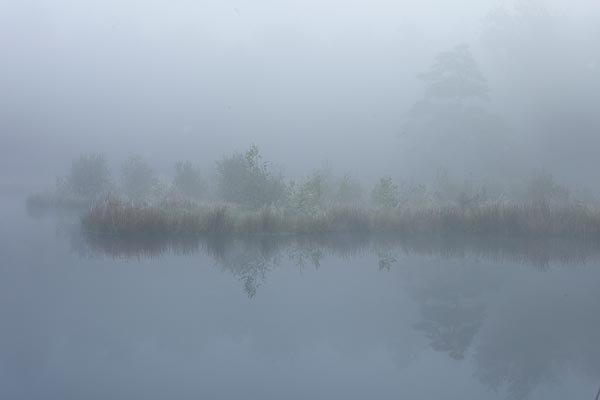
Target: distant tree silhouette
{"x":385,"y":194}
{"x":450,"y":126}
{"x":455,"y":76}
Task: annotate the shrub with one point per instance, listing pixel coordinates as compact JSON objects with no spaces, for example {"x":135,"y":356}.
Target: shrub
{"x":89,"y":176}
{"x":385,"y":194}
{"x":243,"y":178}
{"x":414,"y":196}
{"x":307,"y":196}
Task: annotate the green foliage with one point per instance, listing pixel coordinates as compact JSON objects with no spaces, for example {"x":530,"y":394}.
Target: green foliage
{"x":138,"y":179}
{"x":188,"y":180}
{"x":243,"y":178}
{"x":455,"y":76}
{"x":452,"y":126}
{"x":307,"y":196}
{"x":385,"y":194}
{"x":89,"y":176}
{"x":414,"y":196}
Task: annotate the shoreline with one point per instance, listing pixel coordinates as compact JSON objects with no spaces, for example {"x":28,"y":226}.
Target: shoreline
{"x":495,"y":220}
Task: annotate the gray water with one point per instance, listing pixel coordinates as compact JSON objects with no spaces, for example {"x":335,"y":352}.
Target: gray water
{"x":337,"y":318}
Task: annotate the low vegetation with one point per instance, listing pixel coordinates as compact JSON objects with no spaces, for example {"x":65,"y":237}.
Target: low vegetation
{"x":120,"y":218}
{"x":250,"y":198}
{"x":245,"y":179}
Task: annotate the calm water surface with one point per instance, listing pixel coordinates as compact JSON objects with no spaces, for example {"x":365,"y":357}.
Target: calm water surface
{"x":344,"y":318}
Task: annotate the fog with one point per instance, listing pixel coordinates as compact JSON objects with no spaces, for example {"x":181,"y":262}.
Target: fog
{"x":308,"y":82}
{"x":299,"y":199}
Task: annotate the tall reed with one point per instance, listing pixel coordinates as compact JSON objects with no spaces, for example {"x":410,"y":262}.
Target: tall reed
{"x":121,"y":218}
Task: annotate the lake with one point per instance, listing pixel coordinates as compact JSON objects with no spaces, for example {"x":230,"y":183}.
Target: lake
{"x":86,"y":317}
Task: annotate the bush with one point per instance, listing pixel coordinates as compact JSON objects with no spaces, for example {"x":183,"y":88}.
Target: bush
{"x":188,"y":180}
{"x":414,"y":196}
{"x":307,"y":196}
{"x":385,"y":194}
{"x":138,"y":179}
{"x":89,"y":176}
{"x":243,"y":178}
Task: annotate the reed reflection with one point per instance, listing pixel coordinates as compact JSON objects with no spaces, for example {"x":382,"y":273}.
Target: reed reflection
{"x":310,"y":249}
{"x":520,"y":328}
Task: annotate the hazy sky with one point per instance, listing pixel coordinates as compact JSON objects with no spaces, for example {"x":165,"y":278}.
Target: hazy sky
{"x":307,"y":81}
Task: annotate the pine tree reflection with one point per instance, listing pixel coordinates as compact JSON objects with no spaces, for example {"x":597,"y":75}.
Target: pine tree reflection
{"x":537,"y":337}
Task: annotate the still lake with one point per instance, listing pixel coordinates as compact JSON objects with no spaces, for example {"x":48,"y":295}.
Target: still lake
{"x":292,"y":318}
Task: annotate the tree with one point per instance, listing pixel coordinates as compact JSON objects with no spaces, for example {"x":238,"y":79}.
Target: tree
{"x":547,"y":72}
{"x":385,"y":194}
{"x":245,"y":179}
{"x":451,"y":126}
{"x":455,"y":76}
{"x":308,"y":195}
{"x":188,"y":180}
{"x":89,"y":175}
{"x":138,"y":178}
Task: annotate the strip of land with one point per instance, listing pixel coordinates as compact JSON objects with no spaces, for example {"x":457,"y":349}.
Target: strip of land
{"x":117,"y":217}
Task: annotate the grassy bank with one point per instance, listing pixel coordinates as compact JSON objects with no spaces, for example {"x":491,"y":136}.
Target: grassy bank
{"x":116,"y":217}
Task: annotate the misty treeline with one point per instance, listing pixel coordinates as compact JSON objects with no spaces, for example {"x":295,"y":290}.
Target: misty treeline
{"x":247,"y":196}
{"x":526,"y":97}
{"x":520,"y":94}
{"x":246,"y":180}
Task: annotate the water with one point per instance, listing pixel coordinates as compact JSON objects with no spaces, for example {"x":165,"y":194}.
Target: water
{"x":326,"y":318}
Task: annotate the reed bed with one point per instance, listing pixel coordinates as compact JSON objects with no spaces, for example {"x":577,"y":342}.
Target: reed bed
{"x":532,"y":220}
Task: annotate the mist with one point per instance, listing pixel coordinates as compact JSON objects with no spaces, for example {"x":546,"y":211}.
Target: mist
{"x":307,"y":82}
{"x":299,"y":199}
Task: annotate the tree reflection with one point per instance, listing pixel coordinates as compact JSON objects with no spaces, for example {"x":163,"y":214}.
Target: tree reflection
{"x":451,"y":307}
{"x":310,"y":249}
{"x":537,"y":337}
{"x":518,"y":334}
{"x":450,"y":327}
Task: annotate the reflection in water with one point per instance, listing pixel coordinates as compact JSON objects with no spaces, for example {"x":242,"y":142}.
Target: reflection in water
{"x":401,"y":314}
{"x":311,"y":248}
{"x":553,"y":329}
{"x":450,"y":321}
{"x":248,"y":258}
{"x":519,"y":330}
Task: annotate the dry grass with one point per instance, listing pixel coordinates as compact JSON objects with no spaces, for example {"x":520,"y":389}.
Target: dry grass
{"x":120,"y":218}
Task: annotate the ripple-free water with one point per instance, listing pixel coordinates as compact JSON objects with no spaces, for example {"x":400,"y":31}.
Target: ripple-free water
{"x":347,"y":318}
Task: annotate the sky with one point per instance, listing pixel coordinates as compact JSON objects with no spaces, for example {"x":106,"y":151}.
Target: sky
{"x":309,"y":82}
